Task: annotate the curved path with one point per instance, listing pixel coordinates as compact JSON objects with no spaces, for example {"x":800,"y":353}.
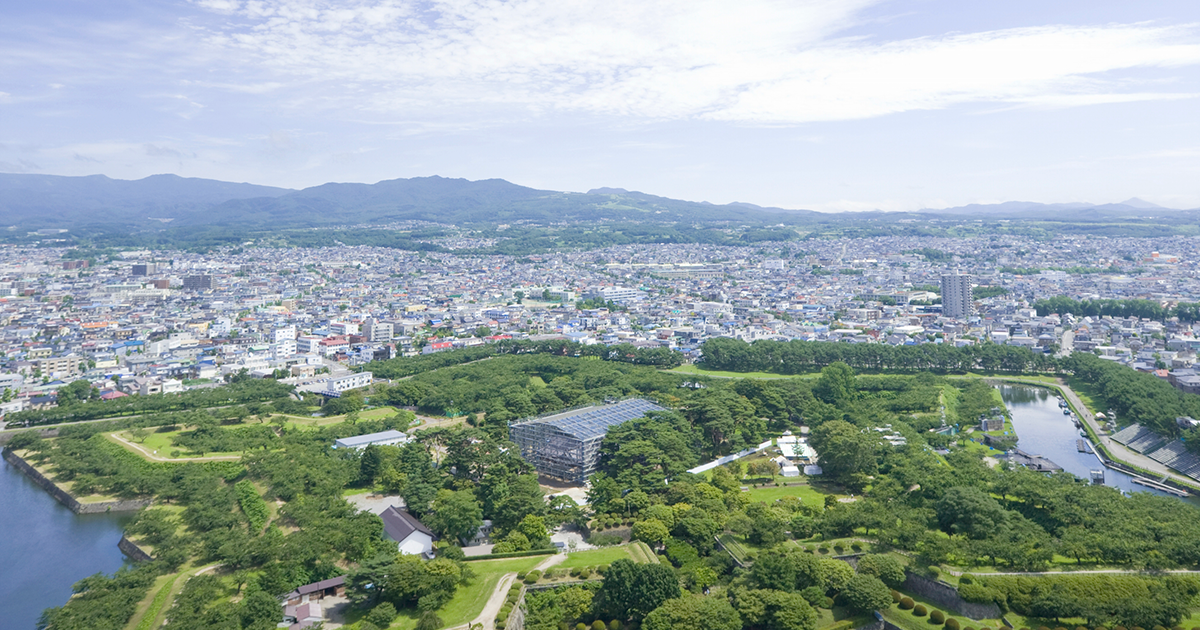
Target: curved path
{"x":487,"y":618}
{"x":148,"y":454}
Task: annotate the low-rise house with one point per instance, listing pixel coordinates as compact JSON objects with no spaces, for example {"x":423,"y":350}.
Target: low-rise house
{"x":410,"y":535}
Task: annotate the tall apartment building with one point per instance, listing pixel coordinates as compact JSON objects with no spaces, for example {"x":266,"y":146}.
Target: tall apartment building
{"x":145,"y":269}
{"x":199,"y":283}
{"x":956,"y":295}
{"x":377,"y":331}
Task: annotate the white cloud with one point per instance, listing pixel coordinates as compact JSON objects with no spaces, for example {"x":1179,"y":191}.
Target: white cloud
{"x":758,"y":61}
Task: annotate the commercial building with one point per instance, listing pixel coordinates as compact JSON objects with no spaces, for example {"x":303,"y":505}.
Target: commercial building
{"x":348,"y":382}
{"x":567,"y":445}
{"x":377,"y":331}
{"x":615,"y":294}
{"x":145,"y":269}
{"x":956,"y":295}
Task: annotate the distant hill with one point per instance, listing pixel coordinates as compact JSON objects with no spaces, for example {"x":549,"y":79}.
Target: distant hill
{"x":37,"y":201}
{"x":169,"y":201}
{"x":57,"y":201}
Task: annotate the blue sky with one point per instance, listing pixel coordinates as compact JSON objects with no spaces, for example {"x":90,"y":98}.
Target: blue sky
{"x":821,"y":104}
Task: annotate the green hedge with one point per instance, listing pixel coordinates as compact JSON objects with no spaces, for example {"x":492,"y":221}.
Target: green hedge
{"x":513,"y":554}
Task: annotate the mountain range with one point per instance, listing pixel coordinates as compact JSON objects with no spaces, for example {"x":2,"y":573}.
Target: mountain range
{"x":96,"y":201}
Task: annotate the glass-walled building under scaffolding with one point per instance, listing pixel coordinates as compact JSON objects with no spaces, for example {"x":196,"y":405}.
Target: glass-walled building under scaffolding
{"x":566,"y":445}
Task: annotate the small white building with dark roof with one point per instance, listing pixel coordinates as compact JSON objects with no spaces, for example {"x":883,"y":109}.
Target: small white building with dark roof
{"x":410,"y":534}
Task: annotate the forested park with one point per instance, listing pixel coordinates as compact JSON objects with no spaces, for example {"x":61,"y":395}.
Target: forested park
{"x":738,"y":546}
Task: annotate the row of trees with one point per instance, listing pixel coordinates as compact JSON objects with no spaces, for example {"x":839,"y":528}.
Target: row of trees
{"x":1145,"y":309}
{"x":796,"y":357}
{"x":238,"y":393}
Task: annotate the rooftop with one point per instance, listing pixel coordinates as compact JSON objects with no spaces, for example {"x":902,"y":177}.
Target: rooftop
{"x":594,"y":421}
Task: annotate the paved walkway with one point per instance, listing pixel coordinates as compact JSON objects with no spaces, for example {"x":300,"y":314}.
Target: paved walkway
{"x":1119,"y":451}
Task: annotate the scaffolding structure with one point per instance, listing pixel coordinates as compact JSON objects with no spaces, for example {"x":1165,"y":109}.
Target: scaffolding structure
{"x":566,"y":445}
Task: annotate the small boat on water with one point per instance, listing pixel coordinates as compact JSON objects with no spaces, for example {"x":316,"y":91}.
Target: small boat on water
{"x":1062,"y":402}
{"x":1066,"y":411}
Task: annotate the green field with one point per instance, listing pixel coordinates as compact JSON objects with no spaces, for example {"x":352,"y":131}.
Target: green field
{"x":596,"y":557}
{"x":771,"y":494}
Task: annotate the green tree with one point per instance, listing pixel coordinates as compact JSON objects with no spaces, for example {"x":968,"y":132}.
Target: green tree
{"x":866,"y":593}
{"x":886,"y":568}
{"x":695,"y":612}
{"x":456,"y":515}
{"x":631,"y":590}
{"x":651,"y":531}
{"x":969,"y":511}
{"x":774,"y":610}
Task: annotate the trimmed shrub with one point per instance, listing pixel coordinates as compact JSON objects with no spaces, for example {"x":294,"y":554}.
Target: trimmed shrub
{"x":952,"y":624}
{"x":599,"y":625}
{"x":382,"y":614}
{"x":856,"y":547}
{"x":823,"y":549}
{"x":827,"y":603}
{"x":906,"y":603}
{"x":574,"y":572}
{"x":500,"y":623}
{"x":937,"y":616}
{"x":839,"y":548}
{"x":920,"y":610}
{"x":585,"y":573}
{"x":521,"y":575}
{"x":581,"y":626}
{"x":614,"y":625}
{"x":602,"y":569}
{"x":896,"y":597}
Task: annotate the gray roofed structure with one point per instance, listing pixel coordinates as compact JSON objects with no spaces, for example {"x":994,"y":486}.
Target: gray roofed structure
{"x":566,"y":445}
{"x":399,"y":524}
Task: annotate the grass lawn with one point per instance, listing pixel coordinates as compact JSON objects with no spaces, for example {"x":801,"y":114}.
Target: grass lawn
{"x":827,"y":617}
{"x":160,"y":445}
{"x":468,"y":602}
{"x":771,"y":494}
{"x":596,"y":557}
{"x":693,"y":369}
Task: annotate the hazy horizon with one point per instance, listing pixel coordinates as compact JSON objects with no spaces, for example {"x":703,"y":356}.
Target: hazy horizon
{"x":820,"y":104}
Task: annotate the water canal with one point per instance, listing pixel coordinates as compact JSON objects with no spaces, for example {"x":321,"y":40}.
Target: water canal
{"x":45,"y":548}
{"x":1042,"y":429}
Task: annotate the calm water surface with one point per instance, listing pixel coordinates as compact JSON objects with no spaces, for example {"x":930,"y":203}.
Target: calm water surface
{"x":45,"y":548}
{"x":1042,"y":429}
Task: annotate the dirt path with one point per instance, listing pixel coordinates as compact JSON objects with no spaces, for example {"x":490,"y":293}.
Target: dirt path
{"x":144,"y":452}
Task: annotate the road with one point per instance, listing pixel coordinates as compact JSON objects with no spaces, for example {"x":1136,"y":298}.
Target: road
{"x":1119,"y":451}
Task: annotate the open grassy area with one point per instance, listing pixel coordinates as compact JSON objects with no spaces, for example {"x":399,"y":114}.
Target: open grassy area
{"x":827,"y":617}
{"x":468,"y":602}
{"x":596,"y":557}
{"x":770,"y":494}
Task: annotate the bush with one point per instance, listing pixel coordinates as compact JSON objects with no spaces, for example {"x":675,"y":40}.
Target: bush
{"x":906,"y":603}
{"x":500,"y":623}
{"x":429,"y":621}
{"x":602,"y":569}
{"x":382,"y":615}
{"x":581,"y":626}
{"x":585,"y":573}
{"x":856,"y":547}
{"x":920,"y":610}
{"x":574,"y":572}
{"x":937,"y":616}
{"x":599,"y":625}
{"x":814,"y":595}
{"x":614,"y":625}
{"x":823,"y":549}
{"x":521,"y":575}
{"x":827,"y":603}
{"x":896,"y":597}
{"x":952,"y":624}
{"x":839,"y":548}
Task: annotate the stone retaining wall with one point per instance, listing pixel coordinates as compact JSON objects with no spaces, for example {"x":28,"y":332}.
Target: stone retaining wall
{"x":946,"y":596}
{"x":131,"y":549}
{"x":64,"y":497}
{"x":43,"y":433}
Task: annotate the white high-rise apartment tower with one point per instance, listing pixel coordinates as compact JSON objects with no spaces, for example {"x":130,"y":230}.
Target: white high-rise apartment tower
{"x":956,"y":295}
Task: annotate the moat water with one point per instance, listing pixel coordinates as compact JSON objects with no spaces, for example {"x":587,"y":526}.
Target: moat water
{"x":1042,"y":429}
{"x":45,"y":548}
